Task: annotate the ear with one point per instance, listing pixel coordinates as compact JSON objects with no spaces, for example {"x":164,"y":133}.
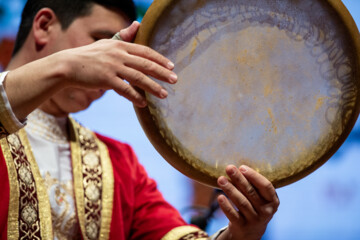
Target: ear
{"x":44,"y":24}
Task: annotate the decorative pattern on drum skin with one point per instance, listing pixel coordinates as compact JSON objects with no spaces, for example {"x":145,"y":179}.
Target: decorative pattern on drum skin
{"x":331,"y":56}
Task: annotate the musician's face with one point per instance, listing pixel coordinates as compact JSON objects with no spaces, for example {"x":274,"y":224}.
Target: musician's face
{"x":101,"y":23}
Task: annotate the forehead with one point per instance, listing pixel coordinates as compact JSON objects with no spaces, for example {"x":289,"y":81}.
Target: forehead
{"x":102,"y":19}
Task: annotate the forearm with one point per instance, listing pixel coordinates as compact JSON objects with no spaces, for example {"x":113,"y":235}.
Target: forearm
{"x":28,"y":86}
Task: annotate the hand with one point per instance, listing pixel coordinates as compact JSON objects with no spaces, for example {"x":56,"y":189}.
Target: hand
{"x":105,"y":63}
{"x":255,"y":198}
{"x":100,"y":65}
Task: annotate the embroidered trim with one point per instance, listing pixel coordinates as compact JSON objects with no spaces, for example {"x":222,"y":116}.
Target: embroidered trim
{"x":107,"y":192}
{"x":65,"y":223}
{"x":186,"y":233}
{"x":93,"y":183}
{"x":28,"y":211}
{"x":44,"y":210}
{"x":29,"y":208}
{"x":13,"y":216}
{"x":46,"y":126}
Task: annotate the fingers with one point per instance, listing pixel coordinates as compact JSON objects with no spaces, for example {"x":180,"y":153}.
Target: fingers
{"x":253,"y":195}
{"x":241,"y":202}
{"x":229,"y":211}
{"x":129,"y":92}
{"x":150,"y":54}
{"x":139,"y":79}
{"x":140,"y":62}
{"x":254,"y":202}
{"x":262,"y":184}
{"x":151,"y":68}
{"x":122,"y":60}
{"x":241,"y":183}
{"x":128,"y":34}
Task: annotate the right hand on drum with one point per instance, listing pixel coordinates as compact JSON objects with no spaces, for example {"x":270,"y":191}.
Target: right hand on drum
{"x":102,"y":65}
{"x":105,"y":63}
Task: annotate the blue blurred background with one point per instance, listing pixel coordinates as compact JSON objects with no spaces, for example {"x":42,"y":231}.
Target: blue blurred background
{"x":324,"y":205}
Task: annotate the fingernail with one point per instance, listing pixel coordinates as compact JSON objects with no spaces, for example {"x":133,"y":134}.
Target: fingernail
{"x":269,"y":210}
{"x":232,"y":171}
{"x":243,"y":169}
{"x":223,"y":181}
{"x":170,"y":65}
{"x":173,"y":78}
{"x":163,"y":93}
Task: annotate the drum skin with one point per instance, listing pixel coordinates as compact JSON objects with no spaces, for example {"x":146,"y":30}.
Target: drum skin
{"x":270,"y":84}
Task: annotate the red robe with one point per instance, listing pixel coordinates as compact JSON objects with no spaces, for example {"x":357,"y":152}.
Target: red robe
{"x":138,"y":208}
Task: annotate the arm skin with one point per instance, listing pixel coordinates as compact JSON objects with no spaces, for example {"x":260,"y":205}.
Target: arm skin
{"x":100,"y":65}
{"x":255,"y":198}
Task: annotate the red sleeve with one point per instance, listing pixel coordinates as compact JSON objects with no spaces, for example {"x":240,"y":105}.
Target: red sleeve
{"x":4,"y":197}
{"x":138,"y":205}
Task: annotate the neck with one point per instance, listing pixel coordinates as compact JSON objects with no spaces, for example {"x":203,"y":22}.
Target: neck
{"x":20,"y":59}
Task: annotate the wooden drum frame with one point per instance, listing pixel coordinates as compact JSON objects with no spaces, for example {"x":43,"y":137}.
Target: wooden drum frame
{"x":271,"y":84}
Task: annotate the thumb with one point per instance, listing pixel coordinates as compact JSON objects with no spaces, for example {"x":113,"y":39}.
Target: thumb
{"x":128,"y":34}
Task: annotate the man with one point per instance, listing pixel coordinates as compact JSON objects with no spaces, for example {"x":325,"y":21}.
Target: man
{"x":89,"y":186}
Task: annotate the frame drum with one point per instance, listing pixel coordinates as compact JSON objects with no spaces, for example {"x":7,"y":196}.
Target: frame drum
{"x":273,"y":84}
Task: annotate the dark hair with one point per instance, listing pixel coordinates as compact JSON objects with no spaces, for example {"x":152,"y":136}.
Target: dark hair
{"x":66,"y":11}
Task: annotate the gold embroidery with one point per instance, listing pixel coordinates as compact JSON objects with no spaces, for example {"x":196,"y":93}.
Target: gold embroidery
{"x":77,"y":173}
{"x":107,"y":191}
{"x":93,"y":187}
{"x":42,"y":197}
{"x":28,"y":201}
{"x":92,"y":192}
{"x":25,"y":175}
{"x":29,"y":214}
{"x":92,"y":183}
{"x":186,"y":233}
{"x":47,"y":127}
{"x":91,"y":159}
{"x":64,"y":221}
{"x":13,"y":223}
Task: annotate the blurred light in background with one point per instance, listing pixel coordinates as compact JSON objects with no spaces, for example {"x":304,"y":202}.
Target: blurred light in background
{"x":324,"y":205}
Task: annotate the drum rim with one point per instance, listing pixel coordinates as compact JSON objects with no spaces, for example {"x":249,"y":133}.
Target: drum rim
{"x":155,"y":11}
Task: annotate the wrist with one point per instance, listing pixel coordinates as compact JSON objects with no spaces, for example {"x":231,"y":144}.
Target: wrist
{"x":61,"y":70}
{"x":224,"y":234}
{"x":30,"y":85}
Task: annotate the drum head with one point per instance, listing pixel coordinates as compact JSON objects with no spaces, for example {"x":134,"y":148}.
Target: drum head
{"x":270,"y":84}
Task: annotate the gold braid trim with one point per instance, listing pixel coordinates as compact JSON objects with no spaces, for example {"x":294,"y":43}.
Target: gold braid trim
{"x":186,"y":233}
{"x":13,"y":214}
{"x":107,"y":191}
{"x":29,"y":207}
{"x":93,"y":182}
{"x":77,"y":173}
{"x":43,"y":197}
